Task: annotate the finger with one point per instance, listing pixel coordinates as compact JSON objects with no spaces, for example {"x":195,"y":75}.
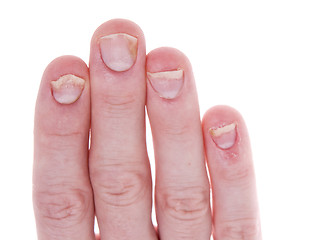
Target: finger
{"x":182,"y":186}
{"x":62,"y":195}
{"x":119,"y":166}
{"x":235,"y":208}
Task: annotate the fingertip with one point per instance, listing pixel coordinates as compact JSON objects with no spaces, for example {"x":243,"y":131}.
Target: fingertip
{"x":129,"y":40}
{"x":170,"y":77}
{"x":222,"y":117}
{"x":165,"y":59}
{"x":118,"y":25}
{"x":219,"y":115}
{"x":57,"y":68}
{"x":63,"y":94}
{"x":65,"y":64}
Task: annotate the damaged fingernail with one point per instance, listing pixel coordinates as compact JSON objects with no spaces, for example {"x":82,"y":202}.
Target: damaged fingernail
{"x":167,"y":84}
{"x":224,"y":137}
{"x":118,"y":51}
{"x":67,"y":89}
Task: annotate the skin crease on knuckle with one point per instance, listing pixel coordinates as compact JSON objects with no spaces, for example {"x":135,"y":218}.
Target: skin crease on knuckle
{"x":62,"y":209}
{"x":240,"y":229}
{"x":174,"y":130}
{"x":187,"y":204}
{"x":48,"y":134}
{"x":237,"y":175}
{"x":124,"y":102}
{"x":119,"y":106}
{"x":118,"y":187}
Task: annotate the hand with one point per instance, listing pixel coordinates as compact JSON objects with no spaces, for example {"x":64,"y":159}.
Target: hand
{"x":111,"y":179}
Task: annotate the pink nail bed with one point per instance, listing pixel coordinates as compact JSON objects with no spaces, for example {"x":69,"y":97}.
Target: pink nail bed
{"x":118,"y":51}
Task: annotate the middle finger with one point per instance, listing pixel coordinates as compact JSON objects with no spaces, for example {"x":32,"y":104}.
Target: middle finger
{"x":119,"y":166}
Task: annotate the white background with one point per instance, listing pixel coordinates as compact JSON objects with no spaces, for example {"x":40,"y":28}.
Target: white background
{"x":252,"y":55}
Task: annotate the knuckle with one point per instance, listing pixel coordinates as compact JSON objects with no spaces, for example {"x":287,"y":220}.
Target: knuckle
{"x":118,"y":187}
{"x":64,"y":126}
{"x":186,"y":204}
{"x":55,"y":138}
{"x":242,"y":229}
{"x":240,"y":173}
{"x":118,"y":106}
{"x":65,"y":134}
{"x":62,"y":209}
{"x":176,"y":129}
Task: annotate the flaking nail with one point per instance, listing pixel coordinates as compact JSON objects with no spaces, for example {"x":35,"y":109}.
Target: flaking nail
{"x":224,"y":137}
{"x":67,"y":89}
{"x":167,"y":84}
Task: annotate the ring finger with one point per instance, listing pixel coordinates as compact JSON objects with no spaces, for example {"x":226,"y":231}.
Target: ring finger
{"x":182,"y":186}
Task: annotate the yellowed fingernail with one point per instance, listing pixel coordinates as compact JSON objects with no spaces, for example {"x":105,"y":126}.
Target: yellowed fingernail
{"x":67,"y":89}
{"x":118,"y":51}
{"x":224,"y":137}
{"x":167,"y":84}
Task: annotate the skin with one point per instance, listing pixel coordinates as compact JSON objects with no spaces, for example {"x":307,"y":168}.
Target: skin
{"x":111,"y":180}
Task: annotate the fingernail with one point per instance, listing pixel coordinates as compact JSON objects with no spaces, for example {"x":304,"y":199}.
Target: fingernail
{"x":67,"y":89}
{"x":118,"y":51}
{"x":167,"y":84}
{"x":224,"y":137}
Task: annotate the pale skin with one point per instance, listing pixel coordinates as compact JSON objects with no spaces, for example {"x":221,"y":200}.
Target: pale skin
{"x":78,"y":175}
